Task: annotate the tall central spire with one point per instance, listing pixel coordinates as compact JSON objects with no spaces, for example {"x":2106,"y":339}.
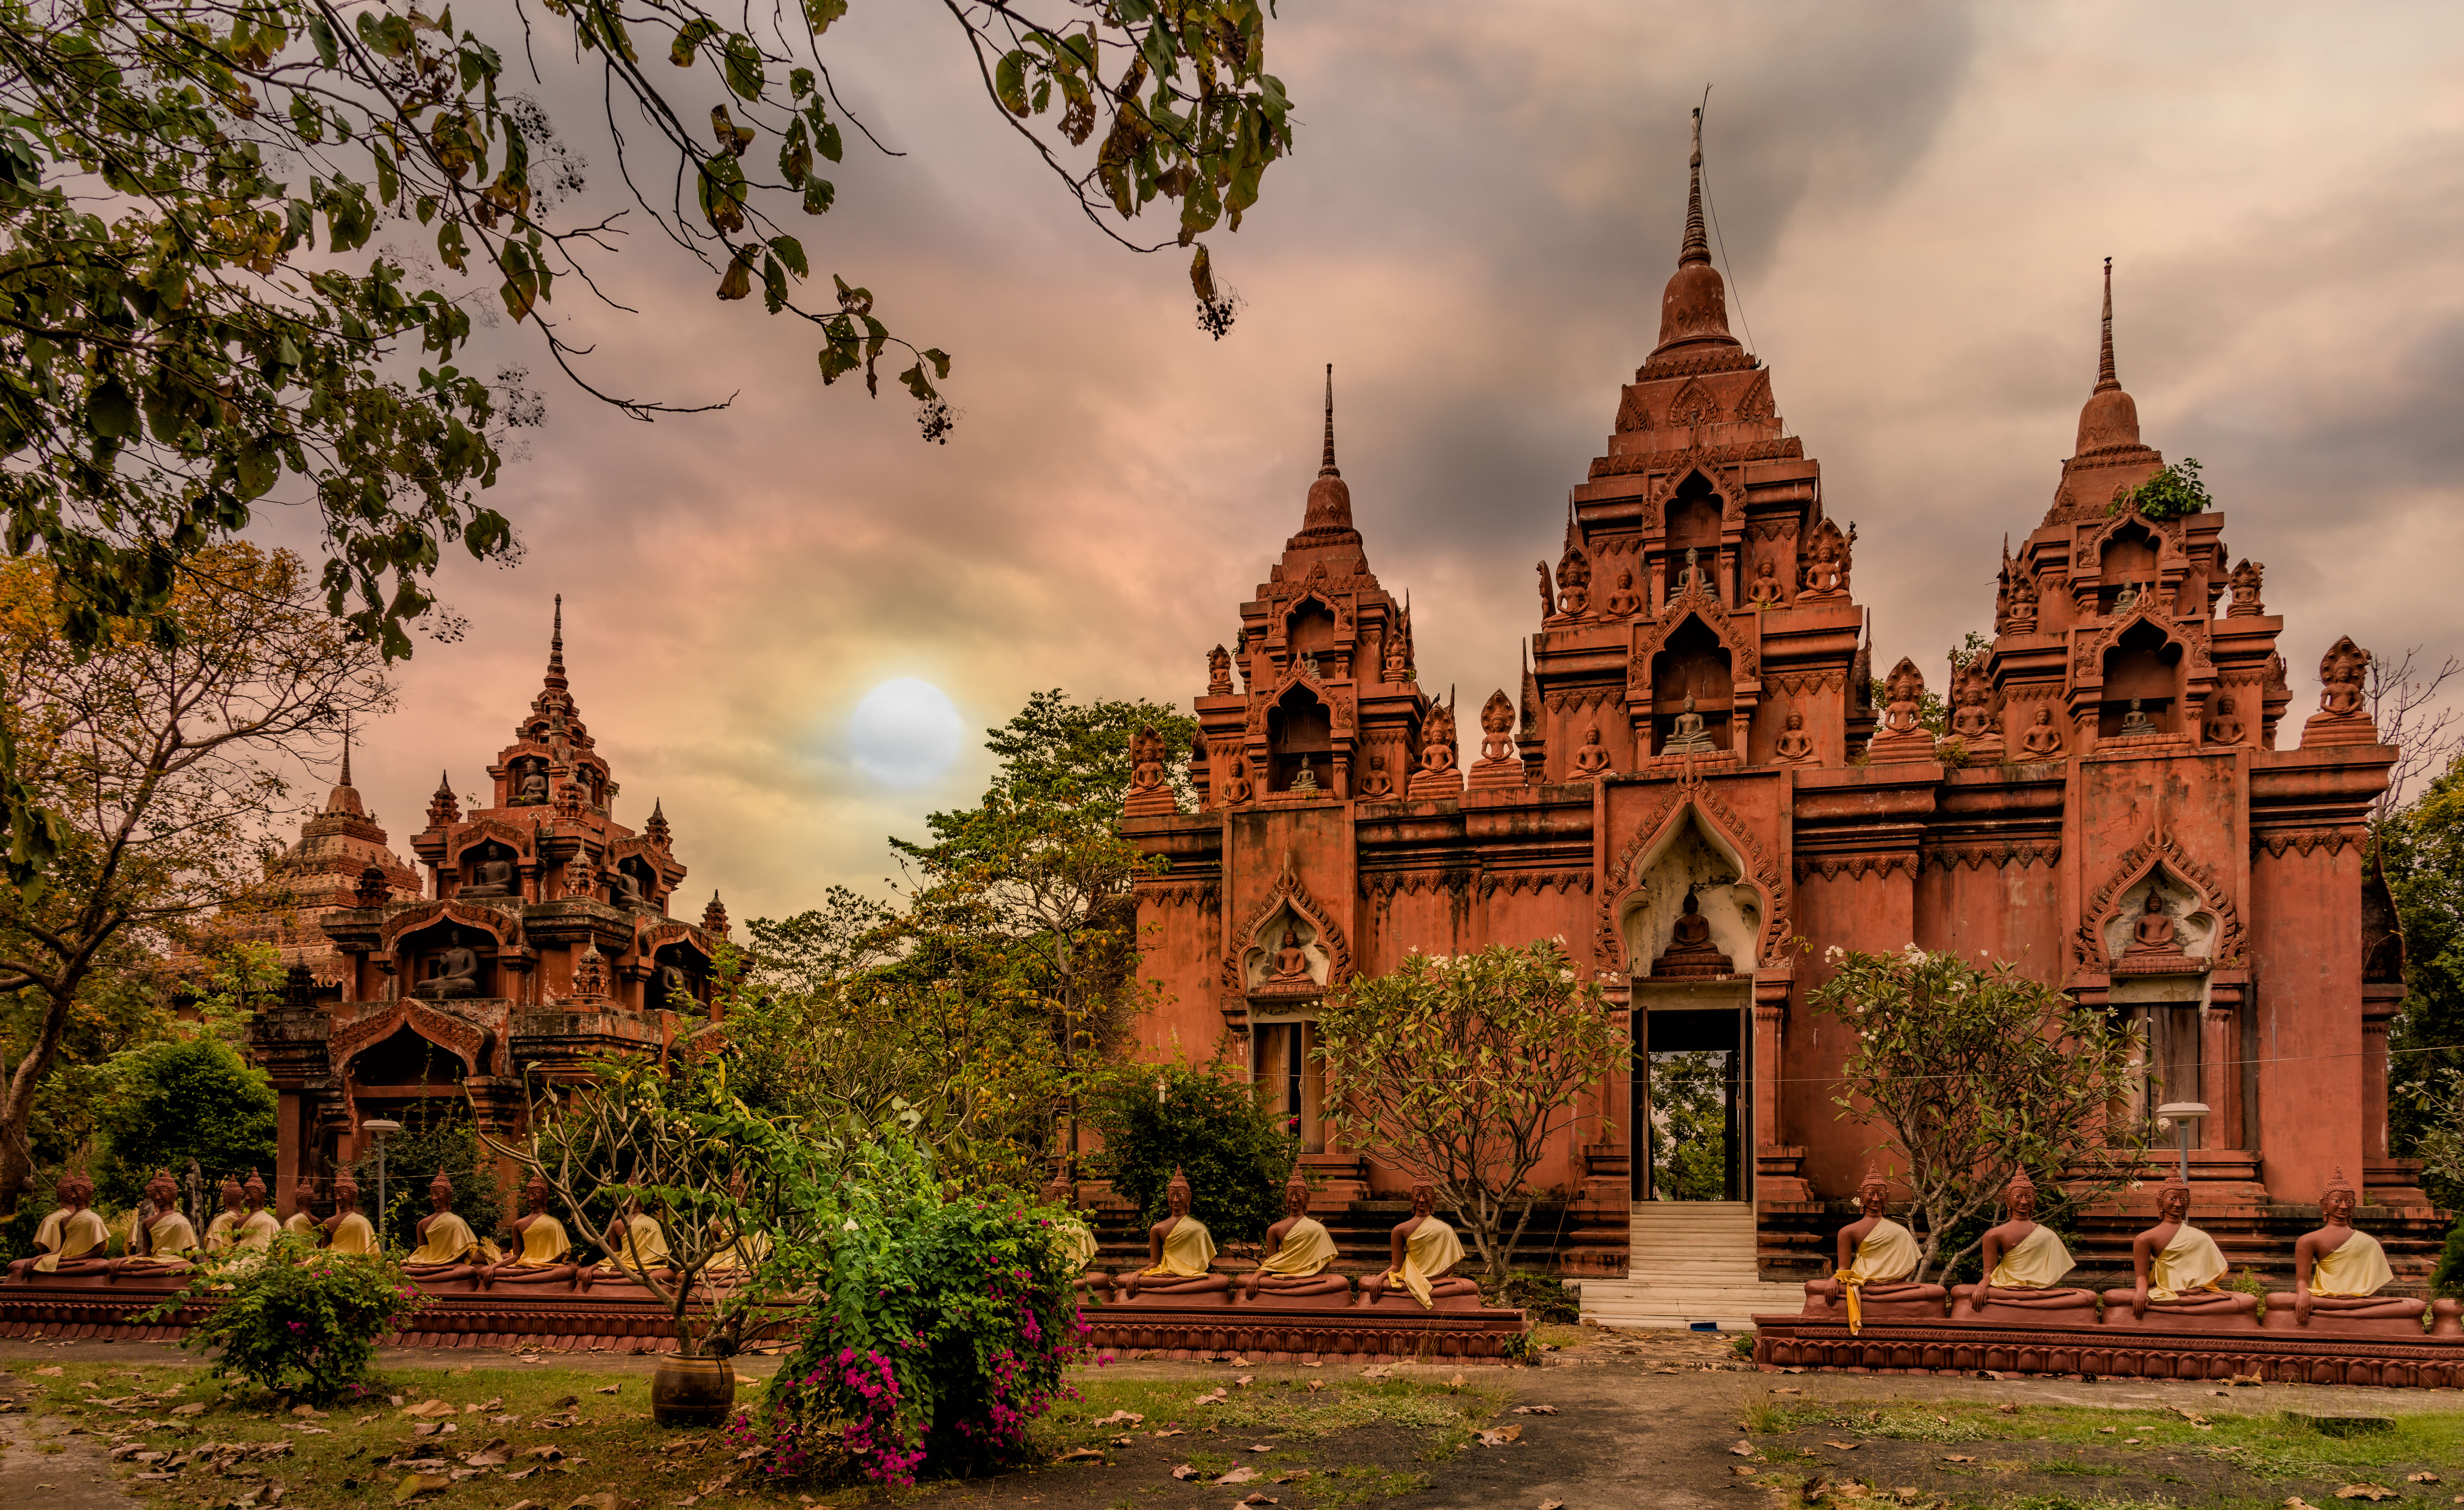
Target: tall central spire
{"x":1698,"y":246}
{"x":1326,"y":467}
{"x":2106,"y":380}
{"x":1327,"y":519}
{"x":556,"y":649}
{"x":1694,"y":309}
{"x":2109,"y":419}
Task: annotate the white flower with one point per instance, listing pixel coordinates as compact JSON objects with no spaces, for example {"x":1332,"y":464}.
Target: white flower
{"x":1565,"y":975}
{"x":1834,"y":955}
{"x":849,"y":1225}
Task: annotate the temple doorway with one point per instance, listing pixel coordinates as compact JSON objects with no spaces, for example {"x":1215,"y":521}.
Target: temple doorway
{"x":1691,"y":1074}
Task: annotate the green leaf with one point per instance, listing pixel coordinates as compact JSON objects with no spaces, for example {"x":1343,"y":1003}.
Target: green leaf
{"x":742,"y":67}
{"x":820,"y":14}
{"x":321,"y":34}
{"x":940,"y":361}
{"x":819,"y":192}
{"x":1009,"y":82}
{"x":792,"y":253}
{"x":829,"y":140}
{"x":688,"y":39}
{"x":110,"y":411}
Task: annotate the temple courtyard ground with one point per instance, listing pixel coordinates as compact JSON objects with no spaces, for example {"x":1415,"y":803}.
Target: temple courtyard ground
{"x":1647,"y":1419}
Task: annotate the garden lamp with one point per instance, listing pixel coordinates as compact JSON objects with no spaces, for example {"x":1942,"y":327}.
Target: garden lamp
{"x":378,"y":1128}
{"x":2182,"y":1113}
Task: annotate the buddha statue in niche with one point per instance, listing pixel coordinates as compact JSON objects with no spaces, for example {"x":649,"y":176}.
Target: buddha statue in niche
{"x":2223,"y":728}
{"x":347,"y":1230}
{"x":1419,"y":1252}
{"x":491,"y":875}
{"x":1876,"y":1256}
{"x":162,"y":1238}
{"x":2042,"y":742}
{"x":625,"y":888}
{"x":2135,"y":722}
{"x":2024,"y":1266}
{"x":2177,"y":1266}
{"x":1691,"y":577}
{"x":1377,"y":783}
{"x":1181,"y":1254}
{"x":455,"y":975}
{"x":1691,"y":955}
{"x":2338,"y":1271}
{"x":1291,"y":966}
{"x":1688,"y":736}
{"x":671,"y":989}
{"x":72,"y":1240}
{"x":1793,"y":744}
{"x":1076,"y":1240}
{"x":1296,"y":1253}
{"x":2155,"y":932}
{"x":531,"y":791}
{"x":1764,"y":592}
{"x":1592,"y":759}
{"x":1624,"y":603}
{"x":447,"y":1245}
{"x":543,"y":1257}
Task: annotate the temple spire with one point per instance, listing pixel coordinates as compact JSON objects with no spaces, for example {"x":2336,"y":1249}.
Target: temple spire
{"x":2106,"y":380}
{"x":556,"y":649}
{"x":1698,"y":246}
{"x":1326,"y":519}
{"x":1326,"y":467}
{"x":346,"y":749}
{"x":2109,"y":419}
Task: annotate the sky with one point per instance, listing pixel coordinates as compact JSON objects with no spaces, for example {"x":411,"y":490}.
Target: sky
{"x":1914,"y":201}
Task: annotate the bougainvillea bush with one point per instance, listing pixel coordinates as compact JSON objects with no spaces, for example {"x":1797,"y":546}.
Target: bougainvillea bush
{"x":938,"y":1333}
{"x":297,"y":1319}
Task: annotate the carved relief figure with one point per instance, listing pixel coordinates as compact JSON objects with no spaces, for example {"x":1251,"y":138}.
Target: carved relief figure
{"x":1291,"y":962}
{"x":2042,"y":742}
{"x":2177,"y":1266}
{"x":486,"y":874}
{"x":1236,"y":790}
{"x":2155,"y":932}
{"x":1592,"y":758}
{"x":1394,"y":666}
{"x":2135,"y":722}
{"x":1146,"y":760}
{"x":2223,"y":728}
{"x":1180,"y":1252}
{"x":2338,"y":1270}
{"x":1296,"y":1253}
{"x":1903,"y":697}
{"x":2245,"y":583}
{"x":1497,"y":728}
{"x":1688,"y":735}
{"x":1218,"y":673}
{"x":2341,"y":672}
{"x":1765,"y":592}
{"x":1419,"y":1252}
{"x":1971,"y":716}
{"x":2023,"y":602}
{"x":1877,"y":1254}
{"x":1438,"y":740}
{"x":1826,"y":565}
{"x":1377,"y":783}
{"x":532,"y":790}
{"x":1793,"y":744}
{"x":1574,"y":582}
{"x":1548,"y":592}
{"x":1624,"y":603}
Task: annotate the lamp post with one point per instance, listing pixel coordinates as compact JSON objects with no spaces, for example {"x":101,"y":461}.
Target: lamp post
{"x":378,"y":1128}
{"x":2183,"y":1115}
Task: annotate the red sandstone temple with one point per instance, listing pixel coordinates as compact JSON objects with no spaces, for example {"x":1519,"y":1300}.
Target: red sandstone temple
{"x":541,"y":939}
{"x":1695,"y":776}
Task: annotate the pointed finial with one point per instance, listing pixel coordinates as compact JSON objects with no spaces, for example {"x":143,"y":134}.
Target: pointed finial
{"x":556,"y":647}
{"x":1698,"y":246}
{"x":1326,"y":467}
{"x":346,"y":749}
{"x":2105,"y":380}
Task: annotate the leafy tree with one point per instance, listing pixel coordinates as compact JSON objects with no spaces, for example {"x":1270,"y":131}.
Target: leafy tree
{"x":1159,"y":1118}
{"x":1689,"y":1155}
{"x":2169,"y":493}
{"x":2422,"y":848}
{"x":164,"y":756}
{"x":187,"y":1098}
{"x":437,"y":1137}
{"x":198,"y":315}
{"x":1977,"y":1074}
{"x":1461,"y":1070}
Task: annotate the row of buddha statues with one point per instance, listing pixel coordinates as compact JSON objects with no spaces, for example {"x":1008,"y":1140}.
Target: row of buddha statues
{"x":1295,"y":1264}
{"x":2178,"y":1276}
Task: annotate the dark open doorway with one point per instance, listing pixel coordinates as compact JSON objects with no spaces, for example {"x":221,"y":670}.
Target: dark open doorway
{"x":1690,"y":1073}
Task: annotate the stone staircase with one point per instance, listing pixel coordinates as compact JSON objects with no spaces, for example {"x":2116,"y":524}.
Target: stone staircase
{"x":1691,"y":1261}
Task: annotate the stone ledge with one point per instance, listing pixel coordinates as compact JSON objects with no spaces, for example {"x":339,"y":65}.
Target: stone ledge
{"x":1800,"y":1342}
{"x":1296,"y":1334}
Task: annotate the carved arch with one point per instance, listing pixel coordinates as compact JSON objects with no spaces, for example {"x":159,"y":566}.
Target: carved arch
{"x":2167,"y":533}
{"x":1649,"y":637}
{"x":505,"y":926}
{"x":2158,"y":850}
{"x":1756,"y":402}
{"x":1288,"y":889}
{"x":1692,"y":794}
{"x":465,"y":1040}
{"x":2087,"y":667}
{"x":648,"y":939}
{"x":1654,"y":507}
{"x":1694,"y":405}
{"x":478,"y":830}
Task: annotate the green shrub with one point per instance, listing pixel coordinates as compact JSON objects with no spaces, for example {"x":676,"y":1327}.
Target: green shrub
{"x":295,"y":1319}
{"x":1544,"y":1295}
{"x":2449,"y":1277}
{"x":182,"y":1099}
{"x":2169,"y":494}
{"x":1158,"y":1118}
{"x":449,"y":1142}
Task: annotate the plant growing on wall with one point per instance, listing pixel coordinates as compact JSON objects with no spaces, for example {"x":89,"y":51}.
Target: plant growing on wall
{"x":1463,"y":1070}
{"x":2169,"y":494}
{"x":1975,"y":1072}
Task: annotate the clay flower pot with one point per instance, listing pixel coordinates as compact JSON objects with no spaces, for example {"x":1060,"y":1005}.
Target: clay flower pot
{"x":692,"y":1392}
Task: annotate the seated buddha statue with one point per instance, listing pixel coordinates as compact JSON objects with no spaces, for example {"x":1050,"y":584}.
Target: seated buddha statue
{"x":1691,"y":955}
{"x":2136,"y":723}
{"x":623,"y":888}
{"x":1180,"y":1252}
{"x":734,"y":1253}
{"x":1793,"y":744}
{"x":637,"y":1252}
{"x":260,"y":1227}
{"x":448,"y":1252}
{"x":490,"y":876}
{"x":1876,"y":1256}
{"x":2177,"y":1266}
{"x":1624,"y":603}
{"x":1419,"y":1253}
{"x":2223,"y":728}
{"x":1376,"y":785}
{"x":1292,"y":966}
{"x":2338,"y":1271}
{"x":543,"y":1259}
{"x":2024,"y":1265}
{"x":1691,"y":577}
{"x":161,"y":1243}
{"x":533,"y":790}
{"x":1592,"y":759}
{"x":1765,"y":592}
{"x":1076,"y":1239}
{"x":72,"y":1240}
{"x":2042,"y":742}
{"x":1688,"y":734}
{"x":239,"y":1224}
{"x":303,"y":1220}
{"x":1297,"y":1251}
{"x":456,"y":975}
{"x":347,"y":1230}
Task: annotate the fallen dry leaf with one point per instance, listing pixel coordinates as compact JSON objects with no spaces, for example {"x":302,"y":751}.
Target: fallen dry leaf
{"x":545,"y":1453}
{"x":1171,"y":1432}
{"x":1741,"y":1470}
{"x":432,"y":1410}
{"x":1083,"y":1454}
{"x":308,"y":1413}
{"x":1954,"y":1459}
{"x":192,"y":1407}
{"x":2370,"y":1492}
{"x":1239,"y":1474}
{"x":1215,"y":1396}
{"x":1258,"y":1497}
{"x":1119,"y":1418}
{"x":414,"y":1485}
{"x":1535,"y":1410}
{"x":1788,"y":1390}
{"x":53,"y":1372}
{"x":2008,"y":1409}
{"x":1456,"y":1382}
{"x":1314,"y":1366}
{"x":2425,"y":1477}
{"x":1245,"y":1379}
{"x":597,"y":1501}
{"x":1742,"y":1450}
{"x":607,"y":1389}
{"x":1316,"y":1385}
{"x":1184,"y":1471}
{"x":1499,"y":1436}
{"x":1553,"y":1504}
{"x":492,"y":1456}
{"x":1845,"y":1447}
{"x":1239,"y":1362}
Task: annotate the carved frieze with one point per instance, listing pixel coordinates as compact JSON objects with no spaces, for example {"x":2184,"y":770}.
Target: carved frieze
{"x":1976,"y":857}
{"x":1855,"y":867}
{"x":1787,"y":448}
{"x":2305,"y":841}
{"x":1515,"y":883}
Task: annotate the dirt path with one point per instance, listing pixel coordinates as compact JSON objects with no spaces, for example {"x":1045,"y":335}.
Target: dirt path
{"x":43,"y":1464}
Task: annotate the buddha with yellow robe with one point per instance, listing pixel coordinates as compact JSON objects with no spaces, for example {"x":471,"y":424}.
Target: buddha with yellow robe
{"x":734,"y":1253}
{"x":72,"y":1241}
{"x":2024,"y":1266}
{"x":1076,"y":1240}
{"x":544,"y":1257}
{"x":2178,"y":1268}
{"x":303,"y":1220}
{"x":2338,"y":1271}
{"x":1877,"y":1258}
{"x":637,"y":1252}
{"x":1298,"y":1250}
{"x":162,"y":1238}
{"x":1181,"y":1254}
{"x":223,"y":1233}
{"x":448,"y":1252}
{"x":347,"y":1230}
{"x":1419,"y":1252}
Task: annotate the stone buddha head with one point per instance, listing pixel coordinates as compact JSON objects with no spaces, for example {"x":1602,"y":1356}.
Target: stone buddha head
{"x":440,"y":1194}
{"x":1874,"y":1195}
{"x":163,"y":1190}
{"x":2019,"y":1198}
{"x":255,"y":1191}
{"x":75,"y":1191}
{"x":2336,"y":1203}
{"x":2044,"y":715}
{"x":2173,"y":1200}
{"x":1063,"y":1193}
{"x":234,"y":1195}
{"x":1425,"y":1198}
{"x":1296,"y":1196}
{"x":303,"y":1196}
{"x":1176,"y":1194}
{"x":346,"y":1195}
{"x":536,"y":1194}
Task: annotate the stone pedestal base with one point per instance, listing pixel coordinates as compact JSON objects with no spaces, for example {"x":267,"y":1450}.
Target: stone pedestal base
{"x":2239,"y":1315}
{"x":1265,"y":1333}
{"x":2336,"y":1324}
{"x":1794,"y":1342}
{"x":1922,"y":1303}
{"x":1396,"y":1299}
{"x":1428,"y":784}
{"x":2052,"y":1308}
{"x":1173,"y":1299}
{"x":1490,"y":773}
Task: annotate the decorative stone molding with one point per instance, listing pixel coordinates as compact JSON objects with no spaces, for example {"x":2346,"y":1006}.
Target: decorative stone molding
{"x":1976,"y":857}
{"x":1855,"y":867}
{"x":1690,"y":792}
{"x":2305,"y":841}
{"x":1651,"y":633}
{"x":458,"y":1036}
{"x":1207,"y":895}
{"x":504,"y":925}
{"x":1801,"y":684}
{"x":1516,"y":883}
{"x":1289,"y":890}
{"x":1787,"y":448}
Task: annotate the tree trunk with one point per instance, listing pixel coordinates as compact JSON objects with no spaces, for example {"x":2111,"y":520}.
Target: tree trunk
{"x":17,"y":1108}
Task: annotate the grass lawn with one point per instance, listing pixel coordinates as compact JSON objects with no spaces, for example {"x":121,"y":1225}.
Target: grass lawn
{"x":507,"y":1433}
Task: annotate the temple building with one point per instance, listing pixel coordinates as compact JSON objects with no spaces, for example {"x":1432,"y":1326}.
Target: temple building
{"x":1704,"y":781}
{"x":540,"y":939}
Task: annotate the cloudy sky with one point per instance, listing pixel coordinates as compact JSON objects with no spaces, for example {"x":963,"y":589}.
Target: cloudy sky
{"x":1914,"y":201}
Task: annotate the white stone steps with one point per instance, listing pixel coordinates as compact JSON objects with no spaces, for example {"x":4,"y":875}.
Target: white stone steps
{"x":1690,"y":1261}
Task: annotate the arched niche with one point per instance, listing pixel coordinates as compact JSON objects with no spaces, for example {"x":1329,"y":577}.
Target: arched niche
{"x":526,"y":782}
{"x":406,"y":1058}
{"x":1308,"y":630}
{"x":1299,"y":732}
{"x":1690,"y":856}
{"x":645,"y":878}
{"x":2145,"y":663}
{"x":1264,"y":956}
{"x":1691,"y":519}
{"x":678,"y":965}
{"x":489,"y":868}
{"x":2128,"y":558}
{"x":1692,"y":661}
{"x":426,"y":956}
{"x":2194,"y":926}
